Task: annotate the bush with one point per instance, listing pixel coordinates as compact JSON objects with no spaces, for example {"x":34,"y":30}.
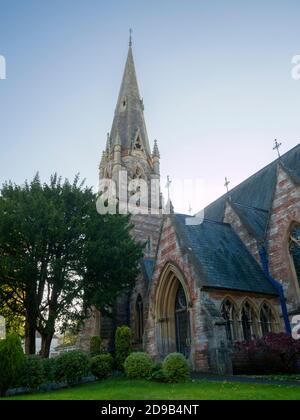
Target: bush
{"x":11,"y":361}
{"x":138,"y":365}
{"x":272,"y":354}
{"x":157,"y":374}
{"x":102,"y":365}
{"x":95,"y":345}
{"x":49,"y":367}
{"x":123,"y":346}
{"x":71,"y":367}
{"x":32,"y":372}
{"x":176,"y":368}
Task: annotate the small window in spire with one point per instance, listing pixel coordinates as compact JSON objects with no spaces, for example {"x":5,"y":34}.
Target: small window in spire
{"x":124,"y":103}
{"x":138,"y":144}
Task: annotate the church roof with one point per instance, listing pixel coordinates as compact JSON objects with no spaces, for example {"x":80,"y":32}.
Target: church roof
{"x":221,"y":257}
{"x":252,"y":199}
{"x":129,"y":123}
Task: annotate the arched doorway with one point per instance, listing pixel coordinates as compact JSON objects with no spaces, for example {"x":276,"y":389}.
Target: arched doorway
{"x":173,"y":331}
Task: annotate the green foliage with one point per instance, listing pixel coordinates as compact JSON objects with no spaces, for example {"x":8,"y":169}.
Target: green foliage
{"x":49,"y":367}
{"x":123,"y":345}
{"x":95,"y":345}
{"x":102,"y":365}
{"x":68,"y":339}
{"x":72,"y":366}
{"x":32,"y":372}
{"x":138,"y":365}
{"x":11,"y":362}
{"x":157,"y":374}
{"x":176,"y":367}
{"x":58,"y":256}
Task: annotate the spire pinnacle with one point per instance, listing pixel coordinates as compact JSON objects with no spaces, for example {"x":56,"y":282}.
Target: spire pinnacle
{"x":130,"y":37}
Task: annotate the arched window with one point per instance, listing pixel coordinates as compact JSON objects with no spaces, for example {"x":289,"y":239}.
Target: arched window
{"x":138,"y":173}
{"x":230,"y":315}
{"x":138,"y":144}
{"x":139,"y":318}
{"x":267,"y":320}
{"x":294,"y":245}
{"x":249,"y":322}
{"x":182,"y":323}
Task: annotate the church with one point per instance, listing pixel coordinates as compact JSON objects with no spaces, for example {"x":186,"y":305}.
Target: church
{"x":203,"y":287}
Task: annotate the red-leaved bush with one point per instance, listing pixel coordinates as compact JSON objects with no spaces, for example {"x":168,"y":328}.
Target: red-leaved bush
{"x":274,"y":353}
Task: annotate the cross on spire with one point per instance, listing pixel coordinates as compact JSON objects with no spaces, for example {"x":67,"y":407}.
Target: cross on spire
{"x":277,"y":147}
{"x":226,"y":185}
{"x":190,"y":209}
{"x":130,"y":37}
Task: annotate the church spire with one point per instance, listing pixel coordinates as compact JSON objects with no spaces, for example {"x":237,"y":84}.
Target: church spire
{"x":129,"y":123}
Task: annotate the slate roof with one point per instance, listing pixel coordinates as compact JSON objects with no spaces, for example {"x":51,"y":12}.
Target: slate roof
{"x":148,"y":268}
{"x":222,"y":259}
{"x":252,"y":199}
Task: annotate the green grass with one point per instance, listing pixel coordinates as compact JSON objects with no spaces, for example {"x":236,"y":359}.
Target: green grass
{"x":123,"y":389}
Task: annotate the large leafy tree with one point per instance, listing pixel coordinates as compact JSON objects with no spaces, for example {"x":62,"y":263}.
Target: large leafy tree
{"x":58,"y":256}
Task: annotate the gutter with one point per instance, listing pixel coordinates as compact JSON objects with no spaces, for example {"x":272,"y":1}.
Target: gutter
{"x":265,"y":263}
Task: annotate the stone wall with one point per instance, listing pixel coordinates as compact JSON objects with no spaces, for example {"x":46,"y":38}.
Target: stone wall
{"x":285,"y":211}
{"x":234,"y":220}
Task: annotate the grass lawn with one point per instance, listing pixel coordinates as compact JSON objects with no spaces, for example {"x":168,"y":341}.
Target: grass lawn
{"x":123,"y":389}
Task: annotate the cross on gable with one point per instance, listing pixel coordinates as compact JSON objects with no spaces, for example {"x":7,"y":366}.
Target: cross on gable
{"x":168,"y":185}
{"x":277,"y":147}
{"x":227,"y":183}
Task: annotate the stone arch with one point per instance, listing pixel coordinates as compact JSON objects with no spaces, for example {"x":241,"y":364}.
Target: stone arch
{"x":173,"y":329}
{"x":230,"y":312}
{"x":268,"y":318}
{"x":249,"y":320}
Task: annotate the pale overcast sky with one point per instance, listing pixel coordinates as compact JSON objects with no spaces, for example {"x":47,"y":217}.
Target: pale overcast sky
{"x":215,"y":77}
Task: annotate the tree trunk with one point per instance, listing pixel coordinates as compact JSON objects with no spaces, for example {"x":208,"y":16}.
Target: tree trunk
{"x":46,"y":344}
{"x":30,"y":332}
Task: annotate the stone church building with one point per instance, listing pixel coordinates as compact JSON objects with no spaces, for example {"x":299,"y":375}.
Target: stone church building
{"x":234,"y":277}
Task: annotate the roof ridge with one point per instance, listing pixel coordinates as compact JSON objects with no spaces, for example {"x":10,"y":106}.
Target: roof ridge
{"x":278,"y":160}
{"x":249,"y":207}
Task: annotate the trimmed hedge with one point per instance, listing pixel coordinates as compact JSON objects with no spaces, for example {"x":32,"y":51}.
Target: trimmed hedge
{"x":138,"y":365}
{"x":49,"y":367}
{"x":11,"y":361}
{"x":123,"y":345}
{"x":157,"y":374}
{"x":176,"y":367}
{"x":71,"y":367}
{"x":102,"y":365}
{"x":32,"y":373}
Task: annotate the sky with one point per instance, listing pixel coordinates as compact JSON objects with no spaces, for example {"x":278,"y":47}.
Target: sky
{"x":215,"y":77}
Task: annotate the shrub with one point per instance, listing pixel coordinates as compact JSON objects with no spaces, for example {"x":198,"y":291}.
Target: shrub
{"x":138,"y":365}
{"x":11,"y":361}
{"x":49,"y":367}
{"x":102,"y":365}
{"x":123,"y":346}
{"x":72,"y":366}
{"x":32,"y":372}
{"x":95,"y":345}
{"x":272,"y":354}
{"x":176,"y":368}
{"x":157,"y":374}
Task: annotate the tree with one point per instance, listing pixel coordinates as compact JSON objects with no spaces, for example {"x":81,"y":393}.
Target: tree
{"x":58,"y":256}
{"x":11,"y":362}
